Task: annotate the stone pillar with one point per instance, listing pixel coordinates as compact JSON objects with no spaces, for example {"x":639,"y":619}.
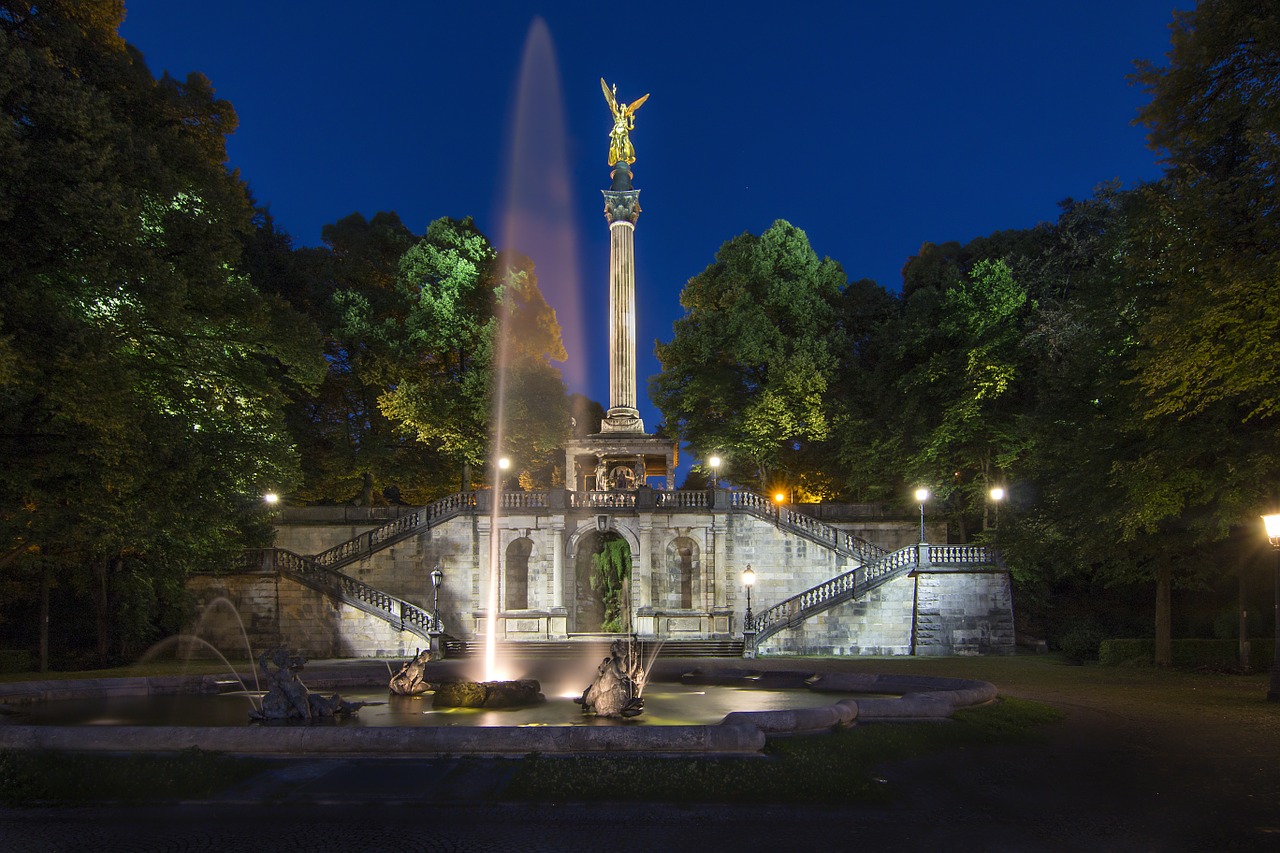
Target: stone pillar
{"x":557,"y":564}
{"x":642,"y":570}
{"x":719,"y":572}
{"x":621,"y":210}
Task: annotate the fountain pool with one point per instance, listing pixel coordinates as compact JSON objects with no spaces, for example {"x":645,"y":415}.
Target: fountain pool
{"x":665,"y":705}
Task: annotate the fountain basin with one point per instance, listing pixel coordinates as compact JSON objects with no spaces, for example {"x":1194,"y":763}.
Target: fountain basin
{"x":738,"y":732}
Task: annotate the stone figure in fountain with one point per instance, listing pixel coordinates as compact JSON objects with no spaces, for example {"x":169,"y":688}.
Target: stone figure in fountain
{"x":615,"y":692}
{"x":411,"y":680}
{"x":287,"y":698}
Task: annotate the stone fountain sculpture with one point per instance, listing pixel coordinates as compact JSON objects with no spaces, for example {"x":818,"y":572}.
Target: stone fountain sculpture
{"x":287,"y":698}
{"x":619,"y":680}
{"x":411,"y":680}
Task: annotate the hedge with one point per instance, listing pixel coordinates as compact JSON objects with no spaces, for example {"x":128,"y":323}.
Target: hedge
{"x":1191,"y":654}
{"x":15,"y":660}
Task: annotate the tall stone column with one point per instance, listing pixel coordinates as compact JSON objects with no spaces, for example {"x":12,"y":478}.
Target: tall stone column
{"x":621,"y":211}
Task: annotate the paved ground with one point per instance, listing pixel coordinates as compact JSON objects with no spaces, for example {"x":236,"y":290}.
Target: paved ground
{"x":1110,"y":778}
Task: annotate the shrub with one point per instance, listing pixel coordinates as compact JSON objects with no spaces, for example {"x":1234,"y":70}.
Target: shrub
{"x":15,"y":660}
{"x":1081,"y":642}
{"x":1190,"y":654}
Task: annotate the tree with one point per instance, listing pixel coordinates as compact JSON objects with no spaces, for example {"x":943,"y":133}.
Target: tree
{"x":141,"y":414}
{"x":1209,"y":236}
{"x":472,"y":352}
{"x":749,"y":367}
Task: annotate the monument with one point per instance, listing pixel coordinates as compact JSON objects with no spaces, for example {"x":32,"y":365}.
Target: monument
{"x":621,"y":456}
{"x":518,"y":566}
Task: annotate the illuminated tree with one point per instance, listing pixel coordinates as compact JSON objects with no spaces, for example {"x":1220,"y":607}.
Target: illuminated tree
{"x":141,"y":404}
{"x":749,"y":367}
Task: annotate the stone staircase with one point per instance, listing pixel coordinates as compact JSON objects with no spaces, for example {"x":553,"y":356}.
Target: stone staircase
{"x":596,"y":646}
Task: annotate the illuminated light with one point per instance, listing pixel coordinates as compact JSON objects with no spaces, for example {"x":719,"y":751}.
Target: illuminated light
{"x":779,"y":497}
{"x":997,"y":494}
{"x":1272,"y":523}
{"x":271,"y":498}
{"x":748,"y":576}
{"x":922,"y":495}
{"x":714,"y":461}
{"x":504,"y":463}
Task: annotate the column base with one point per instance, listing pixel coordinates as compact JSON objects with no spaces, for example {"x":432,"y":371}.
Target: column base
{"x":620,"y":419}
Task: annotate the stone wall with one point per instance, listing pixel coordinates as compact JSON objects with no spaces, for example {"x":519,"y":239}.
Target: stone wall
{"x":964,"y":613}
{"x":279,"y":611}
{"x":686,"y":583}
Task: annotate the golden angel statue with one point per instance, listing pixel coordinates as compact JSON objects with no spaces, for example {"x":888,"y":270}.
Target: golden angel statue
{"x":624,"y":121}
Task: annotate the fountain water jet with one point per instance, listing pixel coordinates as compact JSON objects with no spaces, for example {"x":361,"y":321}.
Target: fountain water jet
{"x":537,"y":219}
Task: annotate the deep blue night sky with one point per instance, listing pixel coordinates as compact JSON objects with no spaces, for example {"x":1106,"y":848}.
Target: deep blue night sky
{"x":872,"y":126}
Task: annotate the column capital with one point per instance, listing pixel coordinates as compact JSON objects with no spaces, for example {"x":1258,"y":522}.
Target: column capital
{"x":621,"y":206}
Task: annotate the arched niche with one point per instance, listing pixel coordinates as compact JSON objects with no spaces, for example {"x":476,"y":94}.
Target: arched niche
{"x":516,"y":574}
{"x":677,"y":586}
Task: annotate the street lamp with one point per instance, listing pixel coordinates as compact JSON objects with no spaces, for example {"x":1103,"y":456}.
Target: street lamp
{"x":749,"y":580}
{"x":714,"y":462}
{"x":1272,"y":523}
{"x":437,"y":576}
{"x":271,"y":499}
{"x":922,"y":495}
{"x":997,"y":495}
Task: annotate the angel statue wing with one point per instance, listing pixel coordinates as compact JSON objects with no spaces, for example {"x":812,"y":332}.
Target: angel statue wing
{"x":635,"y":105}
{"x":608,"y":96}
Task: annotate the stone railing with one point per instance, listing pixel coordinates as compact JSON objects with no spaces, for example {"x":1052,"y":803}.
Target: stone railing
{"x":683,"y":499}
{"x":396,"y":611}
{"x":859,"y":581}
{"x":807,"y":526}
{"x":406,"y":525}
{"x":602,"y":500}
{"x":962,"y":555}
{"x":837,"y":590}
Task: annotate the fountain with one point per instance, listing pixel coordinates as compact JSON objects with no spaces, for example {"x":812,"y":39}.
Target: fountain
{"x":411,"y":679}
{"x":619,"y":681}
{"x":287,"y":698}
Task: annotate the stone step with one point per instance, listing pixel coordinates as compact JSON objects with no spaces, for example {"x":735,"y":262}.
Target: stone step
{"x":576,"y":649}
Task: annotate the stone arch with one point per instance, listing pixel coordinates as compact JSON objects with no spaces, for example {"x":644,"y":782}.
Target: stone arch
{"x":588,"y":527}
{"x":588,"y":602}
{"x":516,"y":574}
{"x":683,"y":568}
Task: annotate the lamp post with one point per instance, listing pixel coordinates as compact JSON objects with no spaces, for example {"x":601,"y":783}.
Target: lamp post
{"x":922,"y":495}
{"x":714,"y":462}
{"x":749,"y":580}
{"x":1272,"y":523}
{"x":997,"y":495}
{"x":271,"y":499}
{"x":436,"y":577}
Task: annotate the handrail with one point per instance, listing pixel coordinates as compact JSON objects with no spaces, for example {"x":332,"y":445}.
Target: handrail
{"x":861,"y":580}
{"x":395,"y":530}
{"x":807,"y":526}
{"x":396,"y":611}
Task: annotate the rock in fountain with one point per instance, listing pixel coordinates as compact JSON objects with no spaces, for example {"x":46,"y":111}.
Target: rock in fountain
{"x":411,"y":680}
{"x":617,"y":686}
{"x":287,"y":698}
{"x":489,"y":694}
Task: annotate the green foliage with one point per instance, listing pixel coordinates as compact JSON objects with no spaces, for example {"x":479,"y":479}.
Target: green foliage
{"x":749,"y":368}
{"x":142,"y":374}
{"x":38,"y":778}
{"x":612,"y":579}
{"x":1212,"y":655}
{"x":475,"y":324}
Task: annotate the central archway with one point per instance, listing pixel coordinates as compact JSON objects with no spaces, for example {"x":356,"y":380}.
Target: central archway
{"x":602,"y":600}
